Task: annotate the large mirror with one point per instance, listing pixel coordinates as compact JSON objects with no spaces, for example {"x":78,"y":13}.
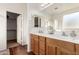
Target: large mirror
{"x":71,"y":21}
{"x":37,"y":21}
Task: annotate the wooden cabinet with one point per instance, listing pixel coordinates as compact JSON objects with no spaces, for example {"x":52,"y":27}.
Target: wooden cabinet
{"x":57,"y":47}
{"x":42,"y":45}
{"x":38,"y":44}
{"x":48,"y":46}
{"x":34,"y":44}
{"x":67,"y":48}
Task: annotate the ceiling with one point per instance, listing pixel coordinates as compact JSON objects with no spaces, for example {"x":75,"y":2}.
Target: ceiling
{"x":60,"y":7}
{"x":55,"y":8}
{"x":35,"y":6}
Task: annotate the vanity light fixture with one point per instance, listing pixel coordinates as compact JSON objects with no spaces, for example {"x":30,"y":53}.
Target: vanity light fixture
{"x":45,"y":5}
{"x":56,"y":8}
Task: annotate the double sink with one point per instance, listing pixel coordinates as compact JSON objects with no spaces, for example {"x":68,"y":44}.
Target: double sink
{"x":59,"y":36}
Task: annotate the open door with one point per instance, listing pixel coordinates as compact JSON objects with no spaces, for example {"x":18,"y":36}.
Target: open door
{"x":12,"y":29}
{"x":19,"y":29}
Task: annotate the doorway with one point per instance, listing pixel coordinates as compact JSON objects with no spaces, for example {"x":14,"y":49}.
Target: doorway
{"x":12,"y":29}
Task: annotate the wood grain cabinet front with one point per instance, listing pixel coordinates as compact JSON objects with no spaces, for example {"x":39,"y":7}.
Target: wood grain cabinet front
{"x":42,"y":45}
{"x":58,"y":47}
{"x":66,"y":48}
{"x":61,"y":51}
{"x":49,"y":46}
{"x":77,"y":49}
{"x":34,"y":44}
{"x":50,"y":50}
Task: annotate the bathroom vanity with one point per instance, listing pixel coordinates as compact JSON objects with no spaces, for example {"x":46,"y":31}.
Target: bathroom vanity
{"x":46,"y":44}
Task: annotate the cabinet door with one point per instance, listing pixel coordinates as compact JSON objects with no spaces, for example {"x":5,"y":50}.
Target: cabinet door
{"x":77,"y":49}
{"x":50,"y":50}
{"x":65,"y":53}
{"x":54,"y":46}
{"x":67,"y":46}
{"x":42,"y":44}
{"x":32,"y":43}
{"x":61,"y":52}
{"x":36,"y":45}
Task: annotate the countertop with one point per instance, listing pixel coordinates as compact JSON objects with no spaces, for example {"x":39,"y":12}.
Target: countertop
{"x":58,"y":37}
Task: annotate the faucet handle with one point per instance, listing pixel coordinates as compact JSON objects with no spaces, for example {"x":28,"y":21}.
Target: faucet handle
{"x":73,"y":34}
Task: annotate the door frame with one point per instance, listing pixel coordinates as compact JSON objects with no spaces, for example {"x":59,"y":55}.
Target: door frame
{"x":6,"y":27}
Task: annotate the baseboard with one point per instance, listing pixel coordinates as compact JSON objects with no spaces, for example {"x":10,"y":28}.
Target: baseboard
{"x":15,"y":40}
{"x":30,"y":53}
{"x":25,"y":46}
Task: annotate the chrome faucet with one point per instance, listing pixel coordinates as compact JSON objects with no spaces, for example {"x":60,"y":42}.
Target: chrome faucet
{"x":64,"y":34}
{"x":40,"y":31}
{"x":73,"y":34}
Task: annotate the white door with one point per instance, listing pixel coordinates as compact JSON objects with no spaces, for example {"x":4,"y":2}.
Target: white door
{"x":19,"y":29}
{"x":3,"y":38}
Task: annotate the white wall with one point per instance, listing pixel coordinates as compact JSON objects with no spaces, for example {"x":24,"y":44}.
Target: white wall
{"x":16,"y":8}
{"x":30,"y":13}
{"x":2,"y":29}
{"x":59,"y":17}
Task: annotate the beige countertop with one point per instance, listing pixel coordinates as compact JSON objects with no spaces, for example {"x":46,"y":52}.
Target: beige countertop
{"x":58,"y":37}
